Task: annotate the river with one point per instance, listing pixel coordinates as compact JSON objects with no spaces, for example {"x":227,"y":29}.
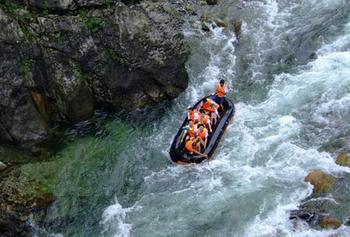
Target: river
{"x":289,"y":75}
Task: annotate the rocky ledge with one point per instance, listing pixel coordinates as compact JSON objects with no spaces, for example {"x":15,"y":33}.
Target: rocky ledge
{"x":62,"y":60}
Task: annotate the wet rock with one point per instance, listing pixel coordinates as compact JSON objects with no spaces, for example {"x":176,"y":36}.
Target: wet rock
{"x":212,"y":2}
{"x":237,"y":26}
{"x":347,"y":223}
{"x":22,"y":196}
{"x":335,"y":145}
{"x":3,"y":166}
{"x":343,"y":159}
{"x":220,"y":23}
{"x":205,"y":26}
{"x":12,"y":225}
{"x":316,"y":209}
{"x":330,"y":223}
{"x":313,"y":55}
{"x":312,"y":211}
{"x":301,"y":214}
{"x":321,"y":181}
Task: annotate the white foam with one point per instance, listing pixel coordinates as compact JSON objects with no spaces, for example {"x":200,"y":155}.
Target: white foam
{"x":113,"y":220}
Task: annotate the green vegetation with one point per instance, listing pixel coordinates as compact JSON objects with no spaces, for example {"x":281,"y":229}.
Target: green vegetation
{"x":109,"y":3}
{"x":111,"y":53}
{"x":26,"y":66}
{"x":27,"y":33}
{"x":11,"y":6}
{"x":93,"y":23}
{"x":46,"y":7}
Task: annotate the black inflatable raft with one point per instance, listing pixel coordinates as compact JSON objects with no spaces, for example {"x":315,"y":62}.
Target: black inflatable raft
{"x":177,"y":149}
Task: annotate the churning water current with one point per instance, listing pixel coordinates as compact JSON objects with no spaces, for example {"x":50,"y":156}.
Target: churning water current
{"x":288,"y":103}
{"x":257,"y":174}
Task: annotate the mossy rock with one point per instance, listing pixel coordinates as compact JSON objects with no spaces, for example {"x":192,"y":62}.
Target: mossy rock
{"x":330,"y":223}
{"x":321,"y":181}
{"x":343,"y":159}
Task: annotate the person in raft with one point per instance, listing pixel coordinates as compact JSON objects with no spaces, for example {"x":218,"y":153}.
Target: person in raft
{"x":206,"y":121}
{"x":192,"y":146}
{"x":220,"y":93}
{"x":212,"y":107}
{"x":202,"y":134}
{"x":192,"y":131}
{"x":193,"y":114}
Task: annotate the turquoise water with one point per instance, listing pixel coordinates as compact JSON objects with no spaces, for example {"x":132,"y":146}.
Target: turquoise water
{"x":288,"y":105}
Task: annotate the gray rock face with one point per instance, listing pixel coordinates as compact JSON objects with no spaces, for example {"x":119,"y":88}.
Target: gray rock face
{"x":60,"y":63}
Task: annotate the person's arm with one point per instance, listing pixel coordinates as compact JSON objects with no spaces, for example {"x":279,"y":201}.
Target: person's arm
{"x":217,"y":113}
{"x":198,"y":153}
{"x":216,"y":105}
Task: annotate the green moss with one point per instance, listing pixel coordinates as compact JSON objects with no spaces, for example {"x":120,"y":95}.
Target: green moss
{"x":109,"y":3}
{"x":93,"y":23}
{"x":11,"y":6}
{"x":112,"y":54}
{"x":28,"y":34}
{"x":46,"y":7}
{"x":26,"y":66}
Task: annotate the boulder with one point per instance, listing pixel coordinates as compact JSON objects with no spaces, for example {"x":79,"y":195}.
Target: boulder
{"x":343,"y":159}
{"x":330,"y":223}
{"x":321,"y":181}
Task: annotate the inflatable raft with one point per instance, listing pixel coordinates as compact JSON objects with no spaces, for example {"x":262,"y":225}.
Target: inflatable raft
{"x":177,"y":149}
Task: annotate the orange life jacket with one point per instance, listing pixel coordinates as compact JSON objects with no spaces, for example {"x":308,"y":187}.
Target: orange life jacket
{"x":192,"y":132}
{"x":203,"y":134}
{"x":220,"y":90}
{"x":208,"y":106}
{"x":189,"y":146}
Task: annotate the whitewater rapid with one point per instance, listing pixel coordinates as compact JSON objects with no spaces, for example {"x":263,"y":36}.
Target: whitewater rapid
{"x":257,"y":175}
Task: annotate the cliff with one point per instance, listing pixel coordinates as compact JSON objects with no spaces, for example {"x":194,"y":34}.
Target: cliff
{"x":62,"y":60}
